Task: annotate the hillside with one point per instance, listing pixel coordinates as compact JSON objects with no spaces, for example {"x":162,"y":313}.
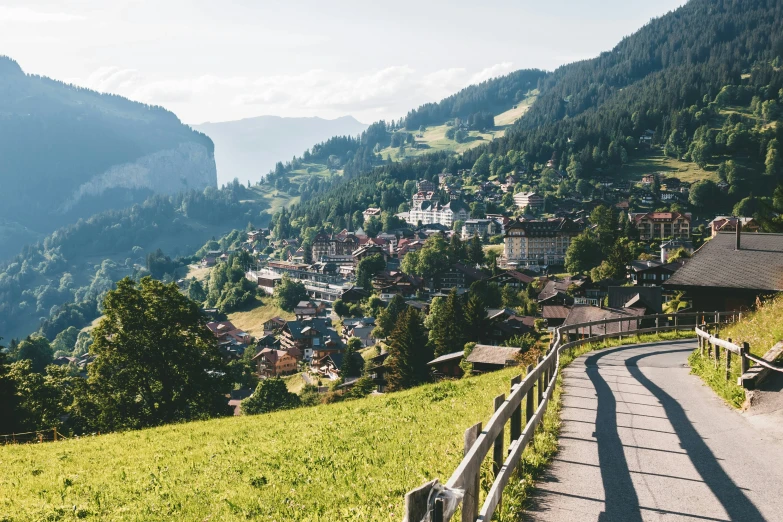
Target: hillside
{"x":347,"y":461}
{"x":68,"y":153}
{"x":249,"y":148}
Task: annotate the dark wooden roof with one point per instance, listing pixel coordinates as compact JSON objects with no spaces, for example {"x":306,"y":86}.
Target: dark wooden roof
{"x":757,"y":265}
{"x":486,"y":354}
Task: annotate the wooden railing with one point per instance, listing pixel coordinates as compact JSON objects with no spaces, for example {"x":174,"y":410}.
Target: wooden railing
{"x":712,"y":344}
{"x":436,"y":503}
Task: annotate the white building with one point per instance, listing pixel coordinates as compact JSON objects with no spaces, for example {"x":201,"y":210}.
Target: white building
{"x":428,"y":211}
{"x":530,"y":243}
{"x":528,"y":199}
{"x":480,"y":227}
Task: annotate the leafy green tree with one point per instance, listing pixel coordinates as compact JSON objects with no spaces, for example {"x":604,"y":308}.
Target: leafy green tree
{"x":704,"y":194}
{"x":65,"y":341}
{"x":467,"y":367}
{"x":341,"y":308}
{"x":156,"y":362}
{"x":457,"y":252}
{"x":583,"y":254}
{"x":679,"y":254}
{"x":8,"y":397}
{"x":289,"y":292}
{"x":37,"y":350}
{"x":409,"y":352}
{"x":196,"y":291}
{"x":367,"y":268}
{"x":481,"y":167}
{"x":350,"y":367}
{"x":675,"y":304}
{"x":270,"y":395}
{"x":363,"y":387}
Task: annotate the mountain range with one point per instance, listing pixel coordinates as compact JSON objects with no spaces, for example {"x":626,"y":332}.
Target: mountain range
{"x":68,"y":152}
{"x":249,"y":148}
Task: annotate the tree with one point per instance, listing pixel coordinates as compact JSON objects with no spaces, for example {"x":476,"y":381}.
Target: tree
{"x":583,"y":253}
{"x":475,"y":251}
{"x":156,"y":362}
{"x":387,"y":319}
{"x":476,"y":321}
{"x":447,"y":332}
{"x":196,"y":291}
{"x":679,"y":254}
{"x":704,"y":194}
{"x":367,"y":268}
{"x":37,"y":350}
{"x":350,"y":367}
{"x":409,"y":352}
{"x":341,"y":308}
{"x":481,"y":167}
{"x":8,"y":397}
{"x":289,"y":293}
{"x":270,"y":395}
{"x":675,"y":304}
{"x":457,"y":252}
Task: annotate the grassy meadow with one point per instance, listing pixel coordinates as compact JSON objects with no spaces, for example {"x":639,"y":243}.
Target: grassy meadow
{"x":252,"y":319}
{"x":346,"y":461}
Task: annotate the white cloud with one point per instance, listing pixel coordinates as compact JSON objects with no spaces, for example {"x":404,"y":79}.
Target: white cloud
{"x":389,"y":92}
{"x":27,"y":15}
{"x":493,"y":71}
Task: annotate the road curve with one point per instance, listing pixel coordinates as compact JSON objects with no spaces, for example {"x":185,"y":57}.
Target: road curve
{"x":642,"y":439}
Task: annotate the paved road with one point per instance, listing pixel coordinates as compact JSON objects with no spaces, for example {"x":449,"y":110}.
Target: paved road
{"x":642,"y":439}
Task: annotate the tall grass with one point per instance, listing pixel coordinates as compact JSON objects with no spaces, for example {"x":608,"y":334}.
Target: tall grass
{"x":346,"y":461}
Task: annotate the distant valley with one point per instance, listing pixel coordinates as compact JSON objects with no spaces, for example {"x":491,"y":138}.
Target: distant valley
{"x":249,"y":148}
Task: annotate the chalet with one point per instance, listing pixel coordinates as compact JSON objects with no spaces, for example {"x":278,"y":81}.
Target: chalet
{"x":392,"y":282}
{"x":425,"y":186}
{"x":208,"y":261}
{"x":363,"y":333}
{"x":530,"y":200}
{"x":662,"y":225}
{"x":646,"y":139}
{"x":486,"y":358}
{"x":309,"y":336}
{"x":368,"y":250}
{"x":447,"y":365}
{"x":479,"y":227}
{"x":273,"y":363}
{"x":354,"y":294}
{"x":378,"y":370}
{"x":225,"y":331}
{"x":236,"y":397}
{"x":729,"y":224}
{"x":650,"y":272}
{"x":555,"y":315}
{"x":371,"y":212}
{"x":671,"y":246}
{"x":459,"y":276}
{"x":274,"y":325}
{"x":555,"y":293}
{"x":305,"y":309}
{"x":330,"y":365}
{"x":731,"y":271}
{"x":649,"y":179}
{"x":516,"y":279}
{"x":648,"y":298}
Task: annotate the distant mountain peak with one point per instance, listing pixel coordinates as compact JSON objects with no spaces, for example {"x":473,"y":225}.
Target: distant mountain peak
{"x":10,"y":67}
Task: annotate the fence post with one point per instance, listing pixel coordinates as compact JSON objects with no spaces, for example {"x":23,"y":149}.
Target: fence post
{"x":540,"y":382}
{"x":516,"y":416}
{"x":529,"y":400}
{"x":605,"y":332}
{"x":717,"y":317}
{"x":675,"y":322}
{"x":497,"y":450}
{"x":744,"y":364}
{"x":590,"y":330}
{"x":55,"y":433}
{"x":728,"y":361}
{"x":470,"y":502}
{"x":717,"y":351}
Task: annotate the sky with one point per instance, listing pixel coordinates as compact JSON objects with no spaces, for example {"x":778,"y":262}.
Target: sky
{"x":227,"y":60}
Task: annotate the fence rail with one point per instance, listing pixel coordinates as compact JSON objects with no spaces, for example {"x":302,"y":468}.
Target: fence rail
{"x":433,"y":502}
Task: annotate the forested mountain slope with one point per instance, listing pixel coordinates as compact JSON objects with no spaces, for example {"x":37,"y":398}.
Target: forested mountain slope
{"x":704,"y":78}
{"x":68,"y":152}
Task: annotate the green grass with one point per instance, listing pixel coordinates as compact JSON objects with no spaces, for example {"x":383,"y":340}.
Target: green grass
{"x":346,"y":461}
{"x":295,"y":383}
{"x":252,"y":319}
{"x":760,"y":329}
{"x":655,"y":161}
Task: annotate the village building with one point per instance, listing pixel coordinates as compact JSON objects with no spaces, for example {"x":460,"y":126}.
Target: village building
{"x":458,"y":276}
{"x":371,"y":212}
{"x":274,"y":363}
{"x":729,"y":224}
{"x":662,"y":225}
{"x":485,"y":358}
{"x":731,"y":271}
{"x":428,"y":210}
{"x":309,"y":337}
{"x":529,"y":200}
{"x":650,"y":272}
{"x":447,"y":365}
{"x":535,"y":243}
{"x":479,"y":227}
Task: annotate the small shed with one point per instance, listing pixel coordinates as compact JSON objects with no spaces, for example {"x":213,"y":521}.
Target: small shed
{"x":487,"y":358}
{"x":448,"y":365}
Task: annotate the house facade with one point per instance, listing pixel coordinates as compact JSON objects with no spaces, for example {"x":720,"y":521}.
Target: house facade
{"x":662,"y":225}
{"x":531,"y":200}
{"x":429,"y":211}
{"x":274,"y":363}
{"x":535,"y":243}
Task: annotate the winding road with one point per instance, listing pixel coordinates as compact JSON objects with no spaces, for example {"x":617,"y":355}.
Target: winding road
{"x":642,"y":439}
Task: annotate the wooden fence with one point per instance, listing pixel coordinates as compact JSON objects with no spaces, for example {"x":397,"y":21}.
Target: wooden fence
{"x":428,"y":502}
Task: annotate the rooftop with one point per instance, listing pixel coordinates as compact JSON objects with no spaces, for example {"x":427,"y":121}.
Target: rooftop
{"x":486,"y":354}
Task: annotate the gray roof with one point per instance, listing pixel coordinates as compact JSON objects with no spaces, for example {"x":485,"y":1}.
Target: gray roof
{"x":486,"y":354}
{"x":622,"y":296}
{"x":447,"y":357}
{"x":758,"y":265}
{"x":587,"y":313}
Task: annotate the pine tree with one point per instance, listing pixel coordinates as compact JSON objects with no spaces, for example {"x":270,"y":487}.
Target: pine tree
{"x":447,"y":332}
{"x":475,"y":319}
{"x":476,"y":251}
{"x":409,"y":352}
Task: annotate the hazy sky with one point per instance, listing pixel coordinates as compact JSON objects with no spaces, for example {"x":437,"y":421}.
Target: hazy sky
{"x":224,"y":60}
